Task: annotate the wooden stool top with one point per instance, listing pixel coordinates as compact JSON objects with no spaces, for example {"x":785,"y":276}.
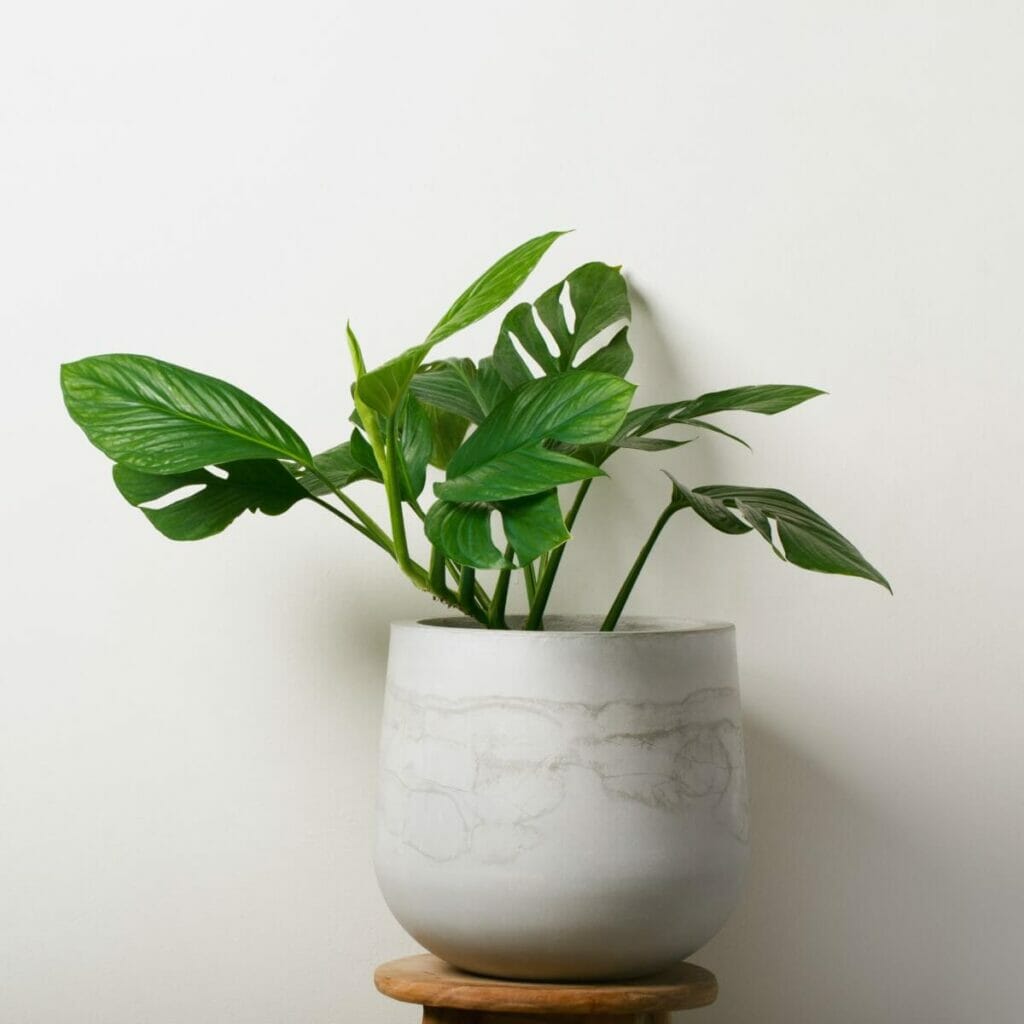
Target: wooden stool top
{"x":429,"y":981}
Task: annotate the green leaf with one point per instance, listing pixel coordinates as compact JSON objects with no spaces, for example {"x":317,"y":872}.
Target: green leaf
{"x":458,"y":386}
{"x":805,"y":539}
{"x":161,"y":418}
{"x":493,"y":287}
{"x":534,"y":525}
{"x":507,"y":458}
{"x":767,"y":399}
{"x":382,"y":389}
{"x":262,"y":485}
{"x":463,"y":532}
{"x":447,"y":431}
{"x":702,"y":425}
{"x":363,"y":455}
{"x":599,"y":298}
{"x":416,"y":443}
{"x":616,"y":357}
{"x":337,"y":464}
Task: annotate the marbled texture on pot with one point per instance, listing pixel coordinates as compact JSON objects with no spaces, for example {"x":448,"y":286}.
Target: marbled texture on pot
{"x":562,"y":804}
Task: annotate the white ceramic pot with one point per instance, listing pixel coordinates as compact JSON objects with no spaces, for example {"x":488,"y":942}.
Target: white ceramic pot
{"x":566,"y":804}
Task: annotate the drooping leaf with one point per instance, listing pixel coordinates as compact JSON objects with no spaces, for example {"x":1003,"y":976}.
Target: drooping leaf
{"x":463,"y":532}
{"x":262,"y":485}
{"x":382,"y":389}
{"x":804,"y":538}
{"x":767,"y":399}
{"x":337,"y":464}
{"x":160,"y":418}
{"x":507,"y":457}
{"x":534,"y":525}
{"x":703,"y":425}
{"x":653,"y":444}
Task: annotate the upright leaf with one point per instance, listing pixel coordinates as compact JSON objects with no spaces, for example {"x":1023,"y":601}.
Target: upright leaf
{"x":416,"y":443}
{"x":805,"y":539}
{"x":507,"y":456}
{"x":262,"y":485}
{"x":160,"y":418}
{"x":382,"y":389}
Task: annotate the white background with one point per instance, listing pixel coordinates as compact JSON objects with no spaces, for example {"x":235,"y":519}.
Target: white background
{"x":809,"y":193}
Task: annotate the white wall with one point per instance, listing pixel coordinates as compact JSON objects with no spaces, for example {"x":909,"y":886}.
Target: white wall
{"x":800,"y":192}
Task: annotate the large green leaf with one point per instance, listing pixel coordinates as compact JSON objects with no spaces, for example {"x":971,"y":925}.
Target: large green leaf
{"x":804,"y":538}
{"x":382,"y":389}
{"x":599,"y":298}
{"x":161,"y":418}
{"x":507,"y":456}
{"x":534,"y":525}
{"x":262,"y":485}
{"x":463,"y":532}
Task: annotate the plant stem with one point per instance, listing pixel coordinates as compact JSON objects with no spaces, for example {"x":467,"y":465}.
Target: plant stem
{"x":496,"y":616}
{"x":369,"y":525}
{"x":467,"y":590}
{"x":612,"y":618}
{"x":535,"y":620}
{"x":530,"y":579}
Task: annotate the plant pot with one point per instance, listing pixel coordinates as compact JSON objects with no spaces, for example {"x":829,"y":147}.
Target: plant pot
{"x":562,"y":805}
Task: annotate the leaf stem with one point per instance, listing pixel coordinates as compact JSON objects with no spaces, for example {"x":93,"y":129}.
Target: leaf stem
{"x":530,"y":579}
{"x":535,"y":620}
{"x":496,"y":616}
{"x":612,"y":618}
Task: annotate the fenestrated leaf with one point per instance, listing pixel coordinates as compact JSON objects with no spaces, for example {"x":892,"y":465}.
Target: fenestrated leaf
{"x":598,"y":296}
{"x":804,"y":538}
{"x":463,"y":533}
{"x":160,"y":418}
{"x":510,"y":364}
{"x":507,"y":458}
{"x":534,"y":525}
{"x":262,"y":485}
{"x":337,"y":464}
{"x":382,"y":389}
{"x":616,"y":357}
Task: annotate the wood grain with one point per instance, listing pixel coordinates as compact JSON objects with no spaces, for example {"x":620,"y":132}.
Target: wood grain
{"x":431,"y":982}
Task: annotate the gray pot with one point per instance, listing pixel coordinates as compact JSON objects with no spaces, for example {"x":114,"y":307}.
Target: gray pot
{"x":566,"y":804}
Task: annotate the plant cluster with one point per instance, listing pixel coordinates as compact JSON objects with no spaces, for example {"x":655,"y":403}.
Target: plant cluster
{"x":507,"y":432}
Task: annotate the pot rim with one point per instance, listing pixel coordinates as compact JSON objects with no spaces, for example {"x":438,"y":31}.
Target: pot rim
{"x":586,"y":626}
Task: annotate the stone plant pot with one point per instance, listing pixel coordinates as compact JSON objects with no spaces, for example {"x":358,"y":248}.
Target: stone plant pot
{"x":566,"y":804}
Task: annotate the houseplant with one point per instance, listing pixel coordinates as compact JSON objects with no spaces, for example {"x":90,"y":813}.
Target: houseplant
{"x":559,"y":798}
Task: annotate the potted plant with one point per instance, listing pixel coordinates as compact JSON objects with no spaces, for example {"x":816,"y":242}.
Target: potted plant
{"x":559,"y":797}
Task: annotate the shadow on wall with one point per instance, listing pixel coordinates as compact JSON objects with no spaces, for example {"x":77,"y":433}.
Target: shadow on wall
{"x":848,"y":916}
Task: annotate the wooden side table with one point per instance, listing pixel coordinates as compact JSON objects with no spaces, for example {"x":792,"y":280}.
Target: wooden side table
{"x":451,"y":996}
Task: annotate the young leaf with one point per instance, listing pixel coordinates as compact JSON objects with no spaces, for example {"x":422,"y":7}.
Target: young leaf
{"x":262,"y":485}
{"x":336,"y":464}
{"x":806,"y":539}
{"x":506,"y":457}
{"x":382,"y":389}
{"x":463,"y":532}
{"x":534,"y":525}
{"x":160,"y":418}
{"x":493,"y":286}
